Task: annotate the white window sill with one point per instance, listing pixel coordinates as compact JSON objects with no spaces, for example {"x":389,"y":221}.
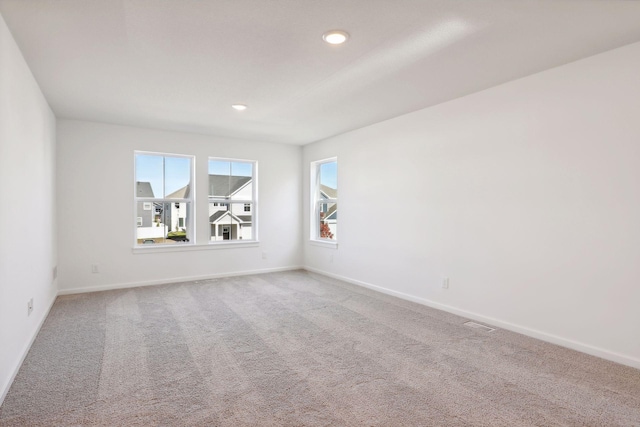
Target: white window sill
{"x":186,"y":248}
{"x":324,"y":243}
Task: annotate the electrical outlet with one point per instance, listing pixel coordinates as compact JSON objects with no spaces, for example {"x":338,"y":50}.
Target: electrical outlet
{"x":94,"y":268}
{"x":29,"y":307}
{"x":264,"y":255}
{"x":445,"y":283}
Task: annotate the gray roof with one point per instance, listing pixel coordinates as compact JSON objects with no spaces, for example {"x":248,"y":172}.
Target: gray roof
{"x":143,"y":189}
{"x":182,"y":193}
{"x":219,"y":214}
{"x":332,"y":213}
{"x":331,"y":193}
{"x":225,"y":185}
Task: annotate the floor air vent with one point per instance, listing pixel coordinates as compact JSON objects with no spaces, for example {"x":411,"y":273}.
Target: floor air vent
{"x":479,"y":326}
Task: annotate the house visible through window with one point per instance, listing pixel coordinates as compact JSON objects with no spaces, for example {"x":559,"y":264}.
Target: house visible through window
{"x":232,"y":200}
{"x":164,"y":200}
{"x":324,"y":191}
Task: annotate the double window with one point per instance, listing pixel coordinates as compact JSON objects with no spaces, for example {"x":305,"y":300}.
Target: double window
{"x":163,"y":198}
{"x":324,"y":197}
{"x":232,"y":200}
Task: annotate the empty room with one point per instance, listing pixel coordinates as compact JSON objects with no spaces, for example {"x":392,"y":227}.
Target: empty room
{"x":320,"y":213}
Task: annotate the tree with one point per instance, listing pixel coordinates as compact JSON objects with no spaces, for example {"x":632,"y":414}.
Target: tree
{"x":325,"y":232}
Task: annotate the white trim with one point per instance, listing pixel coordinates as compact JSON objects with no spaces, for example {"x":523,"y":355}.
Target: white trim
{"x":227,"y":200}
{"x":324,"y":243}
{"x":177,"y":247}
{"x":156,"y":200}
{"x":230,"y":244}
{"x":173,"y":280}
{"x":229,"y":159}
{"x":155,"y":153}
{"x":316,"y":199}
{"x":25,"y":351}
{"x":534,"y":333}
{"x":327,"y":160}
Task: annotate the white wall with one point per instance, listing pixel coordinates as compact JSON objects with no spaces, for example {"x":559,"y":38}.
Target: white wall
{"x":526,"y":195}
{"x":27,"y":217}
{"x":95,"y":184}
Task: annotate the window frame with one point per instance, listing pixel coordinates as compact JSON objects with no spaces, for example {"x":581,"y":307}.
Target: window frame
{"x":221,"y":201}
{"x":316,"y":200}
{"x":191,"y":225}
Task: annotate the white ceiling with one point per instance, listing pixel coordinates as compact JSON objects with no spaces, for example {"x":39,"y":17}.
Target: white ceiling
{"x":180,"y":64}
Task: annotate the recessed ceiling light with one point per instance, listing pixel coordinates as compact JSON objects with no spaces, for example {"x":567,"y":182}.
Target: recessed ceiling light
{"x":239,"y":107}
{"x":335,"y":36}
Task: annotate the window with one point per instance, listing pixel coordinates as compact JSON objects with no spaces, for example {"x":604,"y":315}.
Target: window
{"x":163,"y":198}
{"x":232,"y":200}
{"x":324,"y":198}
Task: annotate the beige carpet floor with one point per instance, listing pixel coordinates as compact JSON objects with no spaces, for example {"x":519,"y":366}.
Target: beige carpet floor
{"x":298,"y":349}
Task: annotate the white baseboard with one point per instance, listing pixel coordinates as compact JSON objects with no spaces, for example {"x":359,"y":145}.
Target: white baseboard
{"x":543,"y":336}
{"x":172,"y":280}
{"x":25,"y":351}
